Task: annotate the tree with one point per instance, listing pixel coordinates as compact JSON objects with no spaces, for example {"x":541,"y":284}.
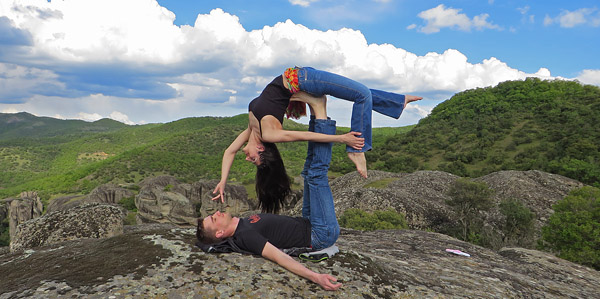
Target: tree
{"x":468,"y":198}
{"x":573,"y":231}
{"x":517,"y":227}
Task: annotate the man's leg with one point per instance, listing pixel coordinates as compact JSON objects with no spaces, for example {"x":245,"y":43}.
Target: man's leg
{"x":325,"y":228}
{"x":307,"y":163}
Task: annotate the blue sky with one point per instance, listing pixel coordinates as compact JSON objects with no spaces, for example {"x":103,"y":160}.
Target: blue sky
{"x":143,"y":61}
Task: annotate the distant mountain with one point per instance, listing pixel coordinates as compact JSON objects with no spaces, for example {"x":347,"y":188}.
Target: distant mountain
{"x":24,"y":125}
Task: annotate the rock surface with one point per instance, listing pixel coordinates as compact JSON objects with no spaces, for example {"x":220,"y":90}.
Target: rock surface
{"x":161,"y":261}
{"x":86,"y":221}
{"x":26,"y":207}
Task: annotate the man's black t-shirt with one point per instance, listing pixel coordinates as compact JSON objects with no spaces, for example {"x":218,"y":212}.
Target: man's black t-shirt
{"x":283,"y":232}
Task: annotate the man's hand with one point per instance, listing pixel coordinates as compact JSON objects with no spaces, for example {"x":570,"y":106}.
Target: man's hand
{"x":326,"y":282}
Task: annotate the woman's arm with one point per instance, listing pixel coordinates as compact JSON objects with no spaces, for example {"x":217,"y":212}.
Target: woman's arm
{"x":228,"y":157}
{"x":326,"y":281}
{"x":351,"y":139}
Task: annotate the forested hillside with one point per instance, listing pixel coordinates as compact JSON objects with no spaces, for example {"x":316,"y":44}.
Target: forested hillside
{"x":532,"y":124}
{"x":552,"y":126}
{"x":14,"y":128}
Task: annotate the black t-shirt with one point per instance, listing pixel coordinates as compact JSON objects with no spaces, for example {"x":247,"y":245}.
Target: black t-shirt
{"x":253,"y":233}
{"x":273,"y":100}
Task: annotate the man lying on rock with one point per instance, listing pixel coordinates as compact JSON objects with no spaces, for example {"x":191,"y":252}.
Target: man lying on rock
{"x":266,"y":234}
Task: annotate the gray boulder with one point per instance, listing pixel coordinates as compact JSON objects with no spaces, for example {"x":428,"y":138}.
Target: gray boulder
{"x":419,"y":195}
{"x":161,"y":261}
{"x":86,"y":221}
{"x":27,"y":206}
{"x":108,"y":193}
{"x":164,"y":199}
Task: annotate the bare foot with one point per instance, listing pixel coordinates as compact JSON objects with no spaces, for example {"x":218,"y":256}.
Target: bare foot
{"x":360,"y":161}
{"x":313,"y":101}
{"x":409,"y":98}
{"x":318,"y":105}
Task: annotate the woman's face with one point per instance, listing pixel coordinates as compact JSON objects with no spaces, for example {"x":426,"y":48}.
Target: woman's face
{"x":252,"y":152}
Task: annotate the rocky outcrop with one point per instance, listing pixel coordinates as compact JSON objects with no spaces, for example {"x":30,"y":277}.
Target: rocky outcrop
{"x":26,"y":207}
{"x":164,"y":199}
{"x":161,"y":261}
{"x":537,"y":190}
{"x":86,"y":221}
{"x":421,"y":195}
{"x":108,"y":193}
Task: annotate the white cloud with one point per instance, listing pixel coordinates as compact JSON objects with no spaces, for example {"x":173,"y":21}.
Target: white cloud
{"x":570,"y":19}
{"x":590,"y":77}
{"x":89,"y":116}
{"x":303,"y":3}
{"x":121,"y":117}
{"x":102,"y":65}
{"x":441,"y":17}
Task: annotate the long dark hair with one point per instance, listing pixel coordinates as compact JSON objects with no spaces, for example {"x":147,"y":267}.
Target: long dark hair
{"x":272,"y":181}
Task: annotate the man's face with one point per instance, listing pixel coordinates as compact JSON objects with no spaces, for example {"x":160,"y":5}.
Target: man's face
{"x":216,"y":223}
{"x":252,"y":152}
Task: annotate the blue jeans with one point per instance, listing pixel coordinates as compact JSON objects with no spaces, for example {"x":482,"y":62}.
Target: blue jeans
{"x":319,"y":83}
{"x":318,"y":200}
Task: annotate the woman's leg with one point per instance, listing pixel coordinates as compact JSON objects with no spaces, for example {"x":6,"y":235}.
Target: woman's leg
{"x":319,"y":83}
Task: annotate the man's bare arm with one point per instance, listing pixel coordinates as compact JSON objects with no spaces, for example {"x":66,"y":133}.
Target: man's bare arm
{"x":326,"y":281}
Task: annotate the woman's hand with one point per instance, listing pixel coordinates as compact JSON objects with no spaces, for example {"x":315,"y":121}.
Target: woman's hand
{"x":220,"y":188}
{"x":351,"y":139}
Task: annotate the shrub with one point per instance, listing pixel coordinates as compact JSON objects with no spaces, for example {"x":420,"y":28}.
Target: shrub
{"x":361,"y":220}
{"x":4,"y":233}
{"x":130,"y":219}
{"x":128,"y":203}
{"x":573,"y":231}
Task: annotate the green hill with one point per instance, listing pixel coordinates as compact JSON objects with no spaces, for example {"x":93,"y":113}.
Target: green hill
{"x":552,"y":126}
{"x":531,"y":124}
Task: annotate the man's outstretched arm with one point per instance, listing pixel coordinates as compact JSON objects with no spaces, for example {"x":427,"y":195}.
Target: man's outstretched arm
{"x":326,"y":281}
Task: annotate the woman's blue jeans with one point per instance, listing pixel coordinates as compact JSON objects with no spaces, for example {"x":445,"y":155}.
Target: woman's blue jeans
{"x":318,"y":199}
{"x":365,"y":100}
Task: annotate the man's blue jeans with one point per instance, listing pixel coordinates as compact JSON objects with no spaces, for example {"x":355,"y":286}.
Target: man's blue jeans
{"x":319,"y":83}
{"x":318,"y":200}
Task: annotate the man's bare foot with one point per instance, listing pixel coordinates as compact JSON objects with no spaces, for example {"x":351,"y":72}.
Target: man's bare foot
{"x":360,"y":161}
{"x":409,"y":98}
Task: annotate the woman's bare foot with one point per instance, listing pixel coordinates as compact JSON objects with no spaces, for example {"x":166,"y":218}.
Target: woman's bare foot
{"x":409,"y":98}
{"x":318,"y":105}
{"x":360,"y":161}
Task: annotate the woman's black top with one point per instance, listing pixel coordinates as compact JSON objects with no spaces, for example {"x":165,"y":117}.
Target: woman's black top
{"x":273,"y":100}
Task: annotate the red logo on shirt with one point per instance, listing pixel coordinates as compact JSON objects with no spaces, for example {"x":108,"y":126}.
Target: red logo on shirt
{"x":254,"y":218}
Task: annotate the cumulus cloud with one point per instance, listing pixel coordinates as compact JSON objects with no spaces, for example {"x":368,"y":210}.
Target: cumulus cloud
{"x":86,"y":59}
{"x":303,"y":3}
{"x":570,"y":19}
{"x":441,"y":17}
{"x":589,"y":77}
